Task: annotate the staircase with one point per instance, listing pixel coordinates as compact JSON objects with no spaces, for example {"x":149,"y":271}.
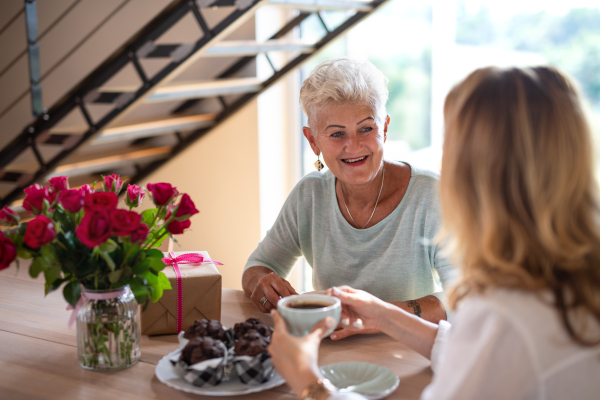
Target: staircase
{"x":136,"y":110}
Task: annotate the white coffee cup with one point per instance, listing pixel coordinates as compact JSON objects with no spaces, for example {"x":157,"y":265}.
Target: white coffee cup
{"x":300,"y":321}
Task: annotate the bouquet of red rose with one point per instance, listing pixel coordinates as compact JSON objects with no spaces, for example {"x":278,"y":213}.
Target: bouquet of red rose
{"x":79,"y":237}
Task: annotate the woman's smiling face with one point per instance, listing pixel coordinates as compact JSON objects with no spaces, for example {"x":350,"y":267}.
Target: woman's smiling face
{"x":350,"y":138}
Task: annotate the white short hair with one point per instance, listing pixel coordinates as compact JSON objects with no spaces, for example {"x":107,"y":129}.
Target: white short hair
{"x":344,"y":80}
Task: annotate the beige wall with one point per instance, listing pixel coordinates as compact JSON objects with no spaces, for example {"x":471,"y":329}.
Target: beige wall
{"x":220,"y":173}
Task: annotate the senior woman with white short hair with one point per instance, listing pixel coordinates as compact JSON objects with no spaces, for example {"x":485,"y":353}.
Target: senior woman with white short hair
{"x":365,"y":222}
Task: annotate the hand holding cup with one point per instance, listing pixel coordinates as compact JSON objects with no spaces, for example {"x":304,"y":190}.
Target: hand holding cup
{"x":302,"y":313}
{"x":361,"y":312}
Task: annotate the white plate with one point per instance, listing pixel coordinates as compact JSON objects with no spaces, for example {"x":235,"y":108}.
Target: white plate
{"x":164,"y":372}
{"x":371,"y":380}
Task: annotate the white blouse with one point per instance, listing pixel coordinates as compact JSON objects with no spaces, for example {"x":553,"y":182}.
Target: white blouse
{"x":509,"y":345}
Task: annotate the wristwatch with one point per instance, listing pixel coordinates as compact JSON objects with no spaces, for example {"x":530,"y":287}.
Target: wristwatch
{"x":319,"y":390}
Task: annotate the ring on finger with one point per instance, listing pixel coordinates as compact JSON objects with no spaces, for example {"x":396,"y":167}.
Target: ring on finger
{"x":263,"y":301}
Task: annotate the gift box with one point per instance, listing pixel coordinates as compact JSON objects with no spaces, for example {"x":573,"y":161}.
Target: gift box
{"x":200,"y":292}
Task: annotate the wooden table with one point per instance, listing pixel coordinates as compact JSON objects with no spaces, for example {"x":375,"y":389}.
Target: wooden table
{"x":38,"y":352}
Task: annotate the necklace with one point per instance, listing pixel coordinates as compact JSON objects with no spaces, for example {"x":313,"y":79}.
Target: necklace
{"x":376,"y":202}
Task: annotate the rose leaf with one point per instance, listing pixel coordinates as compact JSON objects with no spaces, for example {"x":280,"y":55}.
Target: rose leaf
{"x":72,"y":292}
{"x":38,"y":265}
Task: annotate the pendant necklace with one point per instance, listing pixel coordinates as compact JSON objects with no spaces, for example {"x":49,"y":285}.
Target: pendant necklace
{"x":376,"y":202}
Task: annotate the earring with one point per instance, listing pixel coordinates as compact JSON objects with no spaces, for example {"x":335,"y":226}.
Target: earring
{"x":318,"y":164}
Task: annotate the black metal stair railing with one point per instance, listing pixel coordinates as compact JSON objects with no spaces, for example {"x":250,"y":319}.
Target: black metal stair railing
{"x":38,"y":132}
{"x":143,"y":46}
{"x":33,"y":51}
{"x":33,"y":37}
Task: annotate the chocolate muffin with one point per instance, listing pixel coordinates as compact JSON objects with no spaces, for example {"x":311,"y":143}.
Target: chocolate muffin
{"x":202,"y":327}
{"x":251,"y":344}
{"x":201,"y":349}
{"x":252,"y":324}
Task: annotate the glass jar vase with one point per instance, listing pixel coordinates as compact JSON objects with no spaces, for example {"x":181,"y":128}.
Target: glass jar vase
{"x":108,"y":333}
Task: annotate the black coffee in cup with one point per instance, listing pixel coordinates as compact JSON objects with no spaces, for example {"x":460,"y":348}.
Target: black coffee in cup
{"x":301,"y":313}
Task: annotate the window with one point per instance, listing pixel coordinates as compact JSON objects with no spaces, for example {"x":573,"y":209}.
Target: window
{"x":427,"y":47}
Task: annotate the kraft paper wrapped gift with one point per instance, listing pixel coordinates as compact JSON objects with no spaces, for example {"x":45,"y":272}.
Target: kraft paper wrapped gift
{"x":201,"y":284}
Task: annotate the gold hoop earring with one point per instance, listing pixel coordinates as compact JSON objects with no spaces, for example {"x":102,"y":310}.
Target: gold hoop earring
{"x":318,"y":164}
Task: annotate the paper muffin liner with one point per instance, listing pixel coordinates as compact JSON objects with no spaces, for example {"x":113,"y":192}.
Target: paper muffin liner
{"x":253,"y":370}
{"x":209,"y":372}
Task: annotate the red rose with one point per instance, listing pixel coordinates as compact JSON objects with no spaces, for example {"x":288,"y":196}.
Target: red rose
{"x":186,"y":208}
{"x":86,"y":189}
{"x":34,"y":199}
{"x":162,"y":193}
{"x":71,"y":199}
{"x":30,"y":190}
{"x":52,"y":196}
{"x":39,"y":231}
{"x":8,"y":252}
{"x":140,"y":234}
{"x":59,"y":183}
{"x":176,"y":227}
{"x":125,"y":222}
{"x":135,"y":195}
{"x":113,"y":183}
{"x":9,"y":217}
{"x":100,"y":201}
{"x":95,"y":228}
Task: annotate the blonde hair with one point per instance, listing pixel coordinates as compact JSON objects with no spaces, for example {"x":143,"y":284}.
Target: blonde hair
{"x":344,"y":80}
{"x":519,"y":202}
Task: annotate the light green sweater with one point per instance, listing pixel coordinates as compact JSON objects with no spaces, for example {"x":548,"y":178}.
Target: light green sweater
{"x":392,"y":260}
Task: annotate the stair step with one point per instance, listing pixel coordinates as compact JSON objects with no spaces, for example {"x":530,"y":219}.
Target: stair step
{"x":358,"y":5}
{"x":129,"y":132}
{"x":229,"y":48}
{"x":88,"y":163}
{"x":154,"y":128}
{"x":91,"y":164}
{"x":251,"y":47}
{"x":187,"y":91}
{"x":192,"y":90}
{"x":94,"y":165}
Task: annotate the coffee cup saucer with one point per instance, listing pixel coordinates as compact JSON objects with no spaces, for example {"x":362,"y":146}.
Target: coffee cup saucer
{"x":370,"y":380}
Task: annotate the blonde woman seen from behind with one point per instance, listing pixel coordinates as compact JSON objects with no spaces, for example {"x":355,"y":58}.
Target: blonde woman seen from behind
{"x":520,"y":214}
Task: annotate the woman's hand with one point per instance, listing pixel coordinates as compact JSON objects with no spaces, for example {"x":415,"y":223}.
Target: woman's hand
{"x":375,"y":315}
{"x":296,"y":358}
{"x":344,"y":330}
{"x":261,"y":282}
{"x":361,"y":312}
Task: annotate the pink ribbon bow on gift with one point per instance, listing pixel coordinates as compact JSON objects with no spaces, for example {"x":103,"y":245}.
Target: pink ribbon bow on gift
{"x":187,"y":258}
